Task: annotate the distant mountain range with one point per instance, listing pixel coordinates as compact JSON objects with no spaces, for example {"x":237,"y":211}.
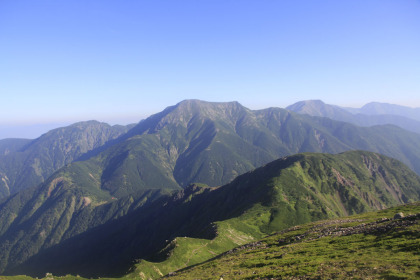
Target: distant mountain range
{"x":91,"y":198}
{"x":369,"y":115}
{"x":26,"y":163}
{"x":193,"y":141}
{"x":377,"y":108}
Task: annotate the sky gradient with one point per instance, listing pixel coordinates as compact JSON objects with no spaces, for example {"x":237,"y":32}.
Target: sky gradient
{"x":120,"y":61}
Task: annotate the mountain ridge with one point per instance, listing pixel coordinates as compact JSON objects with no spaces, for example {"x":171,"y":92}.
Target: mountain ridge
{"x":379,"y":108}
{"x":142,"y":177}
{"x":356,"y":116}
{"x":375,"y":245}
{"x":185,"y":133}
{"x":195,"y":148}
{"x":37,"y":159}
{"x":286,"y":192}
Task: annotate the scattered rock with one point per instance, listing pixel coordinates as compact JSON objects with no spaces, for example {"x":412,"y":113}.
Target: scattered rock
{"x":250,"y":246}
{"x":332,"y":228}
{"x":399,"y":215}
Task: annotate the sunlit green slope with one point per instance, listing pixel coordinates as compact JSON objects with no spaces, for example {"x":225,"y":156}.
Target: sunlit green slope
{"x":212,"y":143}
{"x":127,"y":184}
{"x":374,"y":245}
{"x":369,"y":246}
{"x":199,"y":223}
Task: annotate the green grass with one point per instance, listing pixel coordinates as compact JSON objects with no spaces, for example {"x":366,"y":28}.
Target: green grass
{"x":300,"y":252}
{"x":288,"y":255}
{"x":287,"y":192}
{"x":186,"y":251}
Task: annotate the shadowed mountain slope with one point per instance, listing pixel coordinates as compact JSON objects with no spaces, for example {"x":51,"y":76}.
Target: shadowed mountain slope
{"x":29,"y":162}
{"x":212,"y":143}
{"x":286,"y":192}
{"x":11,"y":145}
{"x":191,"y":142}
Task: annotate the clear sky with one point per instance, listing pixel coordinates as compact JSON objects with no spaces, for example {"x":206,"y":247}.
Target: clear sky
{"x":63,"y":61}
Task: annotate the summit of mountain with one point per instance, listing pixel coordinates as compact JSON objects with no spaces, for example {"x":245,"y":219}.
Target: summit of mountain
{"x":318,"y":108}
{"x":191,"y":109}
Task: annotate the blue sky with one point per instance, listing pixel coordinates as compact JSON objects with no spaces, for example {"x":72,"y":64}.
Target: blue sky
{"x":120,"y":61}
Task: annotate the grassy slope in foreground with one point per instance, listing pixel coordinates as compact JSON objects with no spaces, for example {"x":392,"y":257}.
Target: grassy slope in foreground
{"x":373,"y":245}
{"x":287,"y":192}
{"x":307,"y":187}
{"x":367,"y":246}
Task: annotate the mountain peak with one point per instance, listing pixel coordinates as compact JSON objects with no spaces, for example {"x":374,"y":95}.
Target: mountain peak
{"x":315,"y":102}
{"x":317,"y":108}
{"x":383,"y":107}
{"x":303,"y":105}
{"x":196,"y":103}
{"x":377,"y":108}
{"x":87,"y":123}
{"x":185,"y":110}
{"x":191,"y":113}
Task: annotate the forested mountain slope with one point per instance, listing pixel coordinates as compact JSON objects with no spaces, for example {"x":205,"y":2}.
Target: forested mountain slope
{"x":87,"y":238}
{"x":26,"y":163}
{"x":212,"y":143}
{"x":124,"y":180}
{"x":194,"y":141}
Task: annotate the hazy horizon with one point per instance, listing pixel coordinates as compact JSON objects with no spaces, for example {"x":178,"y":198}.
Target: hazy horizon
{"x":34,"y":130}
